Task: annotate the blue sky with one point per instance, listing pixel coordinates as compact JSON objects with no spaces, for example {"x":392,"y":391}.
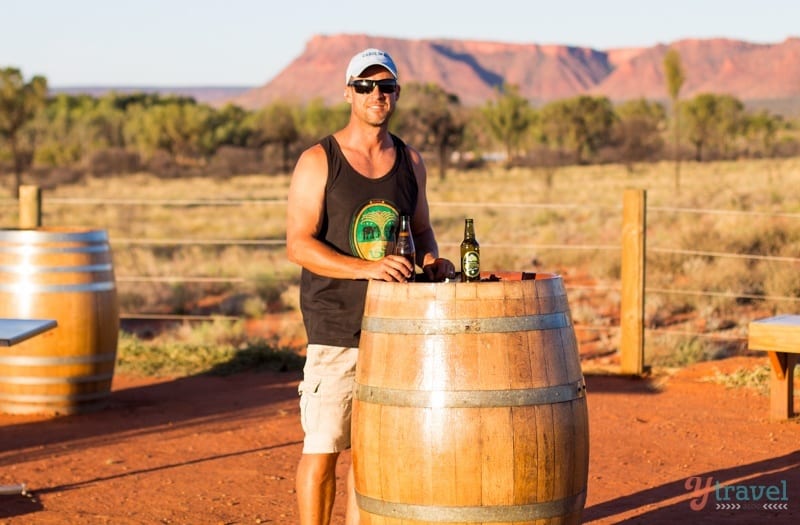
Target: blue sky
{"x":248,"y":42}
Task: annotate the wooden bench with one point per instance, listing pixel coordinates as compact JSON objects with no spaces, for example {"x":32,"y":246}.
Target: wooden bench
{"x":779,"y":336}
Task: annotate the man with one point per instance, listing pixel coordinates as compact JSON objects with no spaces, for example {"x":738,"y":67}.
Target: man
{"x":345,"y":199}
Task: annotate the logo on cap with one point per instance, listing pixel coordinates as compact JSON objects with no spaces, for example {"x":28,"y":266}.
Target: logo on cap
{"x":369,"y":57}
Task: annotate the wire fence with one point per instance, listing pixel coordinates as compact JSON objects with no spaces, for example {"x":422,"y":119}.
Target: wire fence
{"x":118,"y":242}
{"x":507,"y":246}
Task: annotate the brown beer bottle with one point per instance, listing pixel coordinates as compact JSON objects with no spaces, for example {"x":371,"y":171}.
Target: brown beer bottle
{"x":470,"y":254}
{"x":405,"y":244}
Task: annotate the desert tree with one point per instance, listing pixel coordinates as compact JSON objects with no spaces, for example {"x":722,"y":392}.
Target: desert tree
{"x":700,"y":116}
{"x":227,"y":127}
{"x":431,"y":118}
{"x":675,"y":77}
{"x":582,"y":124}
{"x":761,"y":135}
{"x":276,"y":125}
{"x":593,"y":121}
{"x":179,"y":128}
{"x":508,"y":118}
{"x":761,"y":129}
{"x":317,"y":119}
{"x":20,"y":101}
{"x":74,"y":127}
{"x":58,"y":139}
{"x":730,"y":124}
{"x":712,"y":121}
{"x":637,"y":133}
{"x":186,"y":129}
{"x":554,"y":128}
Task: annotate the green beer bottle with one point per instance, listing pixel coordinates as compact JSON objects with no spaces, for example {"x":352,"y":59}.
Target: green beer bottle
{"x":470,"y":254}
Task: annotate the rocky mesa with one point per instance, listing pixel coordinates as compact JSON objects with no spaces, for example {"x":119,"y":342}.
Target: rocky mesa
{"x":474,"y":69}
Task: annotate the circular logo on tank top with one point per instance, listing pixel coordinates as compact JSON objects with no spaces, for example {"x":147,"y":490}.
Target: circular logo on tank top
{"x":373,"y":228}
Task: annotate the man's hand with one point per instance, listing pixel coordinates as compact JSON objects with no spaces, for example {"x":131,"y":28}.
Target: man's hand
{"x":439,"y":270}
{"x":391,"y":268}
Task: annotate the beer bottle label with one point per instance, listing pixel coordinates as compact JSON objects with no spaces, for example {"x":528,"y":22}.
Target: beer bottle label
{"x":471,"y":265}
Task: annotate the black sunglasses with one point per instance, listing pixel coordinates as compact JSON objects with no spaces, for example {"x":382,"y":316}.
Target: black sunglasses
{"x":364,"y":86}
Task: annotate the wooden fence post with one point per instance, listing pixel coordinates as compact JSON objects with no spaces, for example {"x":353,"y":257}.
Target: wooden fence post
{"x":634,"y":213}
{"x":30,"y":207}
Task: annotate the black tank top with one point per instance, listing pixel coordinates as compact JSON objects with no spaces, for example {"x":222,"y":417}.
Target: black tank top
{"x":360,"y":218}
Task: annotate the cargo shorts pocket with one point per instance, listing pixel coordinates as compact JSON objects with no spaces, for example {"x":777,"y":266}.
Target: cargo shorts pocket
{"x":310,"y":403}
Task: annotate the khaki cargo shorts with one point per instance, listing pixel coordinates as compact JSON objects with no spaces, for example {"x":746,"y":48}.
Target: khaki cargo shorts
{"x":326,"y":397}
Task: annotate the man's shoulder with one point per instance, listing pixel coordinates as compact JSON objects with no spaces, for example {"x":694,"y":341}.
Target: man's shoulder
{"x":313,"y":159}
{"x":317,"y":149}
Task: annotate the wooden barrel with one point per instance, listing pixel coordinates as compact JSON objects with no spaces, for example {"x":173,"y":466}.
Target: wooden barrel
{"x":470,"y":404}
{"x":66,"y":275}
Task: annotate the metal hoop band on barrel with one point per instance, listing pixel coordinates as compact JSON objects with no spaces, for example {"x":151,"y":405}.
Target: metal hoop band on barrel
{"x":473,"y":514}
{"x":72,"y":380}
{"x":27,"y":269}
{"x":37,"y":399}
{"x":490,"y":325}
{"x":36,"y":250}
{"x":37,"y":236}
{"x":18,"y":288}
{"x":470,"y":398}
{"x":29,"y":360}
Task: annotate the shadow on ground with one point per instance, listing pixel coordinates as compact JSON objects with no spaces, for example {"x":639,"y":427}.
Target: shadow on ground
{"x":759,"y":492}
{"x":137,"y":410}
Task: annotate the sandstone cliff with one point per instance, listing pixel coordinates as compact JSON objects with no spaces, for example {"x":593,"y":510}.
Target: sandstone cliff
{"x":473,"y":69}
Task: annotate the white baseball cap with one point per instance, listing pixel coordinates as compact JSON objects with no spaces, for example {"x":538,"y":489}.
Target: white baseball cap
{"x":369,"y":57}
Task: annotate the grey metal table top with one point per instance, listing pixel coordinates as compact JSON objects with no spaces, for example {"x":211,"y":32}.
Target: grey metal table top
{"x":13,"y":331}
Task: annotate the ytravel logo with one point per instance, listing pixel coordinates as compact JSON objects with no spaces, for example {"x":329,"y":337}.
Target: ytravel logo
{"x":714,"y":495}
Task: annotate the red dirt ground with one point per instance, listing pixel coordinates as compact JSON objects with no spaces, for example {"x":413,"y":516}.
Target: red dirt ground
{"x":222,"y":450}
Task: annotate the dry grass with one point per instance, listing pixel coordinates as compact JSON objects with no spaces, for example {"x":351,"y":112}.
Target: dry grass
{"x":522,"y":223}
{"x":217,"y":347}
{"x":756,"y":378}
